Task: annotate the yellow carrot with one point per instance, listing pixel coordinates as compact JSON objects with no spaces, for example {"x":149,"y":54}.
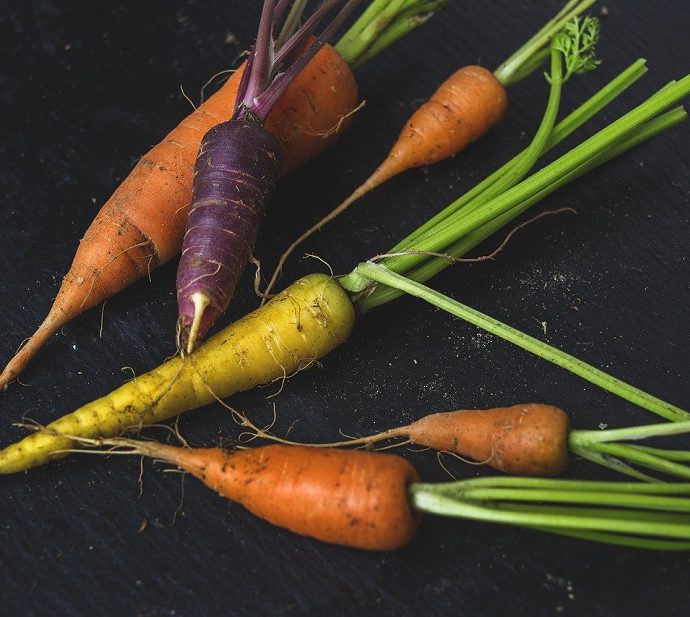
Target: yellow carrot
{"x":304,"y":323}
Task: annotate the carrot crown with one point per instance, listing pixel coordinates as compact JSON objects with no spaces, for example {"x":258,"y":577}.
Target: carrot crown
{"x":278,"y":54}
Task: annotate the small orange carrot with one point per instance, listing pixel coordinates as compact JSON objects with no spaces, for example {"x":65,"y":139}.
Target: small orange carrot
{"x":462,"y":109}
{"x":354,"y":498}
{"x":529,"y":439}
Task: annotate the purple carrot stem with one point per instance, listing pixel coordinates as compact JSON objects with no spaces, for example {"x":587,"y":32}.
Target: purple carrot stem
{"x":294,"y":44}
{"x":262,"y":56}
{"x":279,"y":12}
{"x":244,"y":81}
{"x":265,"y":101}
{"x":236,"y":171}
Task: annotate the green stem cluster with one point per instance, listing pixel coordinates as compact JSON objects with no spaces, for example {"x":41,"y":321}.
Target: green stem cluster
{"x":605,"y":448}
{"x":381,"y":25}
{"x":652,"y":516}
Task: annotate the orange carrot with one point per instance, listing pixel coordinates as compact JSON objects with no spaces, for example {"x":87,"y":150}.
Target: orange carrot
{"x":529,"y":439}
{"x":375,"y":501}
{"x":464,"y":108}
{"x":354,"y":498}
{"x":142,"y":224}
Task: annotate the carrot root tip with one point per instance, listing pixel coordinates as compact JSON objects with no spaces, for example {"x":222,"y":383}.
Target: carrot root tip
{"x":200,"y":302}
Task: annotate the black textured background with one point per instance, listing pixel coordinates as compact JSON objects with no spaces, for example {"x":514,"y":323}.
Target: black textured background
{"x":85,"y":88}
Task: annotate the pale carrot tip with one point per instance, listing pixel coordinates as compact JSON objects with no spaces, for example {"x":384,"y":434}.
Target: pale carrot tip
{"x":201,"y":302}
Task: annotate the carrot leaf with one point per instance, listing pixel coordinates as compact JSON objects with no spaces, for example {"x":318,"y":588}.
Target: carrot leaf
{"x":526,"y":59}
{"x":577,"y":42}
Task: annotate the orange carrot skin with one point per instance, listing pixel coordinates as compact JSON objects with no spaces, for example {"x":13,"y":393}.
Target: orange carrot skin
{"x":143,"y":222}
{"x":348,"y":497}
{"x":529,"y":440}
{"x":463,"y":108}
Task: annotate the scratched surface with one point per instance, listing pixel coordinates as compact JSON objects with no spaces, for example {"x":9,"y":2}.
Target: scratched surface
{"x":85,"y":88}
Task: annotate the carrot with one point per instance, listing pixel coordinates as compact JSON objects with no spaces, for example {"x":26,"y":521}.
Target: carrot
{"x":536,"y":440}
{"x":237,"y":169}
{"x":463,"y":108}
{"x":528,"y":439}
{"x":375,"y":501}
{"x":353,"y":498}
{"x":141,"y":226}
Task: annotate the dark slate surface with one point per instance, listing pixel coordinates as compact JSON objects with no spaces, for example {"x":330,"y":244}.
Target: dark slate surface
{"x":85,"y":88}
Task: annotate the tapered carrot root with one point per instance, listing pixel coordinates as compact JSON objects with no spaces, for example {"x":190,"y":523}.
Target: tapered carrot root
{"x":529,"y":439}
{"x":142,"y":224}
{"x":354,"y":498}
{"x":462,"y":109}
{"x":300,"y":325}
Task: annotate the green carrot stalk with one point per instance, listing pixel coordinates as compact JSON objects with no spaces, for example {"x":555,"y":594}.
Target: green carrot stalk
{"x":651,"y":516}
{"x":531,"y":55}
{"x":381,"y":25}
{"x":379,"y":273}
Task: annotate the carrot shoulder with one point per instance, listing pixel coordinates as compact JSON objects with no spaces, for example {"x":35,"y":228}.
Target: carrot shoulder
{"x":142,"y":224}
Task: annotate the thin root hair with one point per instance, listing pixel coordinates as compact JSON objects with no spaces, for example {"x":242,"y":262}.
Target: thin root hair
{"x":451,"y":259}
{"x":228,"y":72}
{"x":100,"y":329}
{"x":299,"y":129}
{"x":184,"y":94}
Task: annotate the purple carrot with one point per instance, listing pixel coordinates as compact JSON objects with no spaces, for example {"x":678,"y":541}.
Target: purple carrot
{"x":238,"y":166}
